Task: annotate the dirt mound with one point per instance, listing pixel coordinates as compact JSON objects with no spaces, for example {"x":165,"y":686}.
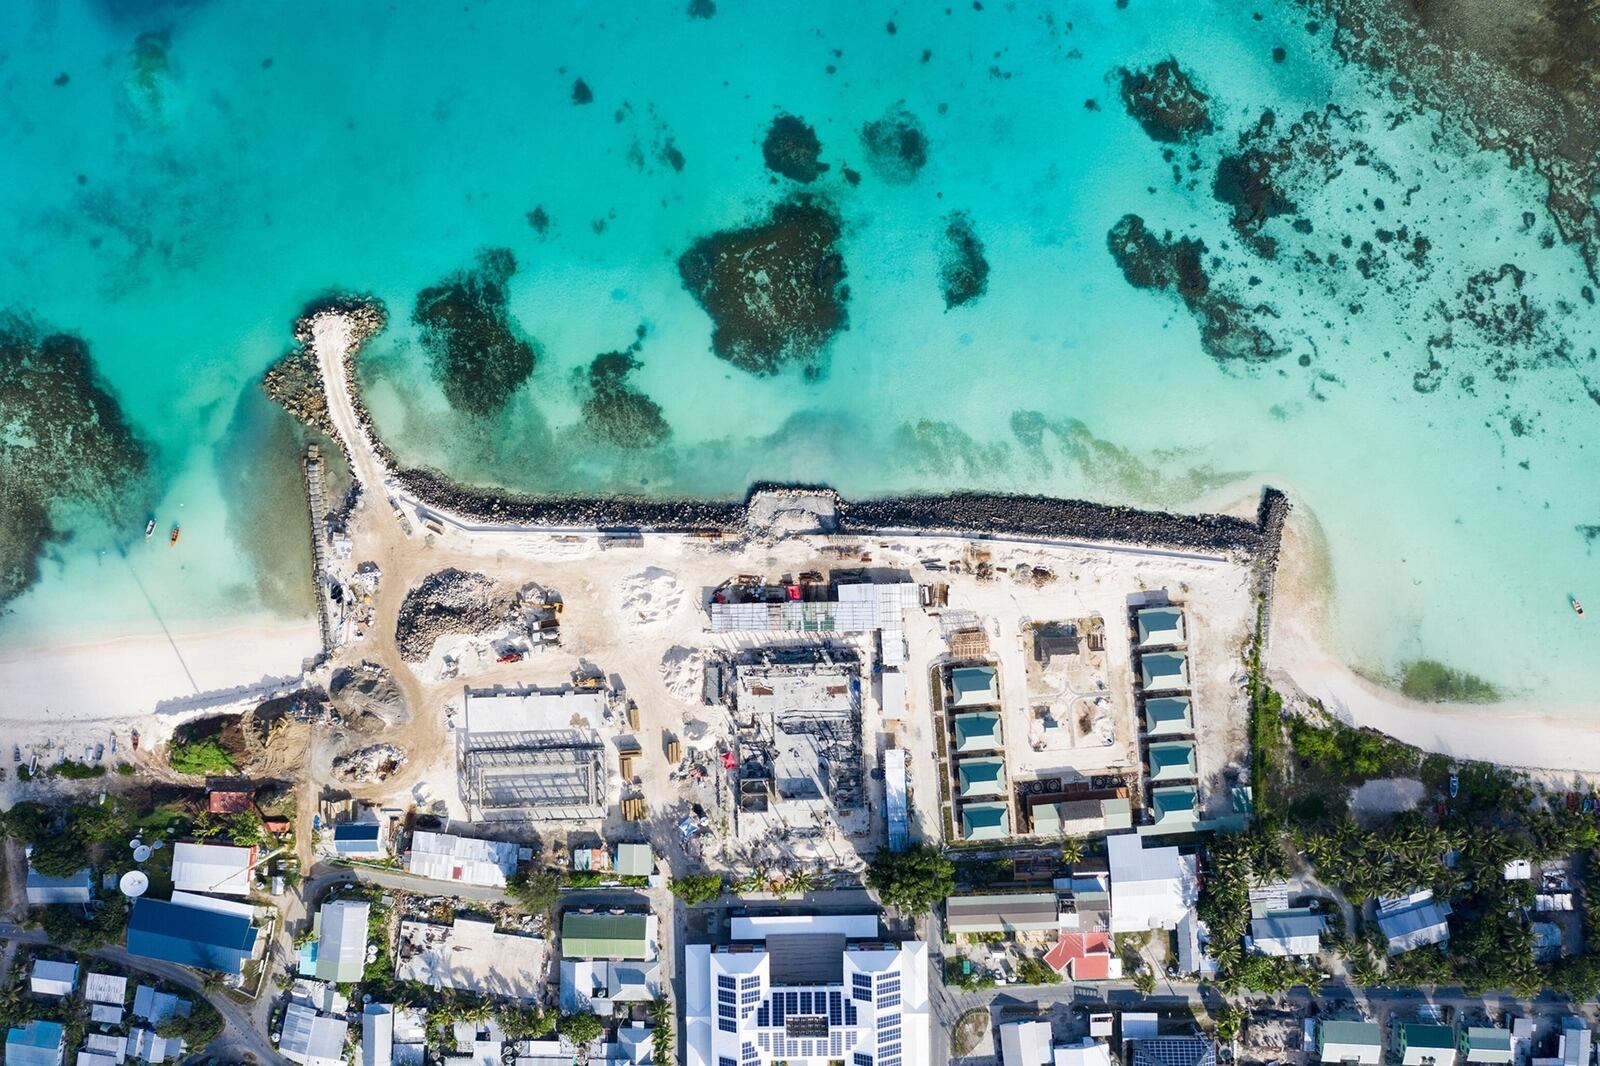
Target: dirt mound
{"x":447,"y":603}
{"x":365,"y":695}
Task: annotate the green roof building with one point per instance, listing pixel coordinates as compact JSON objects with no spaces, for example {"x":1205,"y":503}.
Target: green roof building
{"x":977,"y":731}
{"x":1350,"y":1042}
{"x":985,"y":821}
{"x":1483,"y":1043}
{"x":1174,"y":807}
{"x":974,"y":686}
{"x":1172,"y":760}
{"x":1078,"y":817}
{"x":1427,"y":1045}
{"x":1160,"y":627}
{"x":1164,"y":671}
{"x":982,"y":776}
{"x":634,"y":860}
{"x":1168,"y":716}
{"x":605,"y":936}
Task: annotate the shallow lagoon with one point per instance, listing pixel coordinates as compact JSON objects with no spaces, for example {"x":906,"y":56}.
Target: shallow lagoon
{"x":207,"y":168}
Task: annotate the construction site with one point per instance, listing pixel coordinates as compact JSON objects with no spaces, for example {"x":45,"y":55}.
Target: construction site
{"x":531,"y":754}
{"x":797,"y":742}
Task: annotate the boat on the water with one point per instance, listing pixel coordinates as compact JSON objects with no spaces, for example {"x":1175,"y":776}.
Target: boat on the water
{"x":149,"y":528}
{"x":174,"y":538}
{"x":1576,"y":606}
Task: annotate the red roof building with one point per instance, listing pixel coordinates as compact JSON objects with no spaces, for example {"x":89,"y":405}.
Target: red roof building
{"x":230,"y":802}
{"x":1085,"y":957}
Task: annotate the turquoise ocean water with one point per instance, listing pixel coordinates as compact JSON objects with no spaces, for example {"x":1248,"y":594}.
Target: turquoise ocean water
{"x":206,"y":168}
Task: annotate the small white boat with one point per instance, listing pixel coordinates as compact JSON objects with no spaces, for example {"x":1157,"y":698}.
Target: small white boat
{"x":149,"y":529}
{"x":1576,"y":606}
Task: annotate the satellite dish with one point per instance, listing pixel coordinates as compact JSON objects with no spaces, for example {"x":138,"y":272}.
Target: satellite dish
{"x":141,"y":853}
{"x":135,"y":842}
{"x":134,"y":883}
{"x":158,"y":845}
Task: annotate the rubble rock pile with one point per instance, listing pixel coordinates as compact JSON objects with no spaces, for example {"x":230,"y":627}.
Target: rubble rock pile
{"x":377,"y":762}
{"x":447,"y":603}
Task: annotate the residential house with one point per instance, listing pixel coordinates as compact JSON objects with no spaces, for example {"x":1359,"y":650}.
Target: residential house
{"x":1296,"y":932}
{"x":377,"y":1035}
{"x":984,"y":775}
{"x":1172,"y":760}
{"x":1159,"y":627}
{"x":974,"y":686}
{"x":1175,"y":808}
{"x":54,"y":979}
{"x":986,"y":821}
{"x":156,"y":1007}
{"x":312,"y":1039}
{"x":36,"y":1044}
{"x":74,"y":888}
{"x":464,"y":860}
{"x":105,"y":988}
{"x":218,"y":869}
{"x":359,"y":840}
{"x":1356,"y":1043}
{"x":1487,"y":1044}
{"x":608,"y":960}
{"x":101,"y":1046}
{"x":145,"y":1046}
{"x":1164,"y":671}
{"x":977,"y":732}
{"x":1085,"y":957}
{"x":1421,"y":1044}
{"x":1151,"y":888}
{"x":1076,"y":818}
{"x":1414,"y":921}
{"x":342,"y":940}
{"x":197,"y":931}
{"x":1168,"y":716}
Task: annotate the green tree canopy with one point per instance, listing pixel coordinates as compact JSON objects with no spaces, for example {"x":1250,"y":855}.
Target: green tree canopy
{"x":536,"y":891}
{"x":913,"y":881}
{"x":697,"y":888}
{"x":581,"y":1029}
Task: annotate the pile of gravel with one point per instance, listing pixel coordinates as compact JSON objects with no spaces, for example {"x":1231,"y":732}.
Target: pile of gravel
{"x":448,"y":603}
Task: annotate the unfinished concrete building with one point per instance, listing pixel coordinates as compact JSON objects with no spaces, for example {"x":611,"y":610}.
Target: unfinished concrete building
{"x":533,"y":754}
{"x":797,"y":716}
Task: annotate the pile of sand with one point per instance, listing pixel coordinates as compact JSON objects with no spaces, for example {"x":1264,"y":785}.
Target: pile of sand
{"x":683,"y":673}
{"x":651,"y":597}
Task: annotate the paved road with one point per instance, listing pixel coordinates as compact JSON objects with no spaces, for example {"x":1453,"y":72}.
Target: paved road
{"x":239,"y":1037}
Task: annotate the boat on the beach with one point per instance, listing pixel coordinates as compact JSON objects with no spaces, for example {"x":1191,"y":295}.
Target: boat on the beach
{"x":149,"y":528}
{"x":173,"y":539}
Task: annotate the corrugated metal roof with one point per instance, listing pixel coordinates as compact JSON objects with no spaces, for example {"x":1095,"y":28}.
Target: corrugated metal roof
{"x":604,"y":936}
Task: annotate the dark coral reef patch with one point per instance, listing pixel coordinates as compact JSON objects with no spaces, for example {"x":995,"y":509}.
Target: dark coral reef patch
{"x":775,"y":290}
{"x":1228,"y":327}
{"x":479,"y":356}
{"x":791,"y":148}
{"x":615,"y":411}
{"x":896,"y":145}
{"x":66,"y":443}
{"x":963,"y":268}
{"x":1166,"y":102}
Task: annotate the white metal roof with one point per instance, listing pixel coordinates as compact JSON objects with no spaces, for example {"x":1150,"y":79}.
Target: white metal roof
{"x":894,"y":694}
{"x":312,"y":1039}
{"x":51,"y":978}
{"x":1025,"y":1044}
{"x":220,"y":868}
{"x":759,"y":927}
{"x":517,"y":710}
{"x":1151,"y":888}
{"x":467,"y":860}
{"x":105,"y":988}
{"x":342,"y":951}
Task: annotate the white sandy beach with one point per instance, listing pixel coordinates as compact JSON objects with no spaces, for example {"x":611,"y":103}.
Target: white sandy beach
{"x":1512,"y":733}
{"x":146,"y":681}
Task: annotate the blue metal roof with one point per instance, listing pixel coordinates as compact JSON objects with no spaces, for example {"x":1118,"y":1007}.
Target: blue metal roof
{"x":190,"y":936}
{"x":35,"y":1044}
{"x":356,"y":838}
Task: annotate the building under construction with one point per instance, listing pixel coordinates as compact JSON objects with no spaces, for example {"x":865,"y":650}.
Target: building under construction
{"x":533,"y":755}
{"x":797,"y":719}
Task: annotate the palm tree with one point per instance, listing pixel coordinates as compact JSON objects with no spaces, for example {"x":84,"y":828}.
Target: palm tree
{"x":802,"y":881}
{"x":1071,"y":850}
